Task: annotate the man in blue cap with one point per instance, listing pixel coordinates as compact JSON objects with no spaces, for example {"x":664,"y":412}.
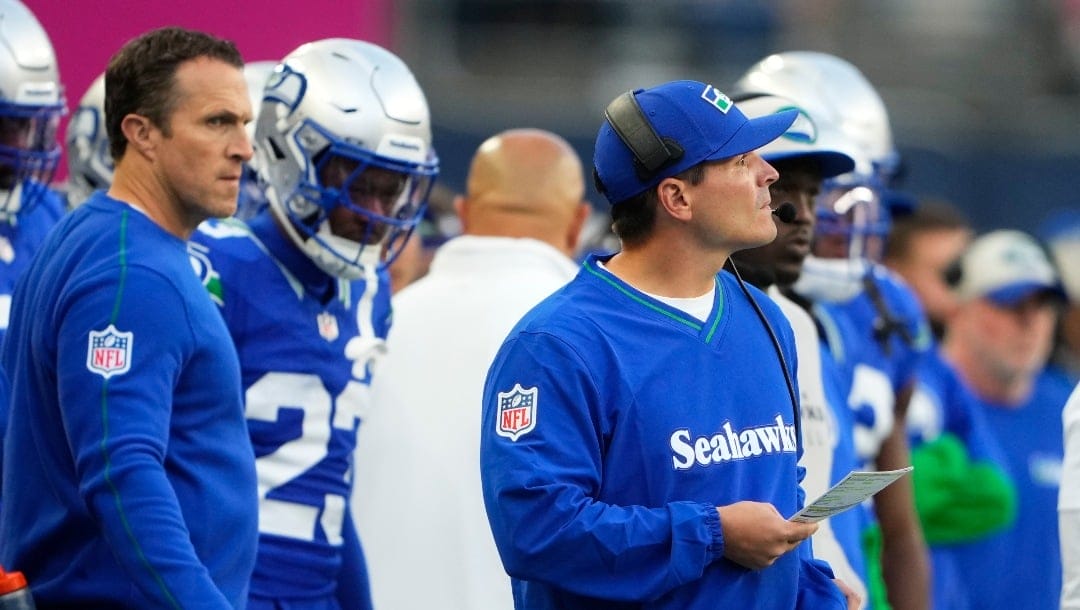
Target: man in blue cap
{"x":640,"y":430}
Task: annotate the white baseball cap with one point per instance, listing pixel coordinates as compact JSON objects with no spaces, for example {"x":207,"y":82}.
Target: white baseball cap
{"x":1006,"y":267}
{"x":1061,"y":233}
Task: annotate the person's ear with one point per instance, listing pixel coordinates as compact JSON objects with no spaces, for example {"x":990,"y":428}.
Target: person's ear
{"x":672,"y":196}
{"x":138,"y":130}
{"x":573,"y":231}
{"x":461,"y":208}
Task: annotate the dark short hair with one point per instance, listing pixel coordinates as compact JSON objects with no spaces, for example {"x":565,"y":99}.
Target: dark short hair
{"x":140,"y":78}
{"x":632,"y":220}
{"x":929,"y":215}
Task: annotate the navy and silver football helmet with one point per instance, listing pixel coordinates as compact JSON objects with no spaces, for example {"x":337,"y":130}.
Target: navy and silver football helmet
{"x":31,"y":104}
{"x":90,"y":166}
{"x":832,"y":87}
{"x":852,"y":220}
{"x":343,"y":151}
{"x":813,"y":135}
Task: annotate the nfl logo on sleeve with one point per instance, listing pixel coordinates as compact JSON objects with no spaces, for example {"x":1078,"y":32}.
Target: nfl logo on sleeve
{"x":109,"y":352}
{"x":517,"y":412}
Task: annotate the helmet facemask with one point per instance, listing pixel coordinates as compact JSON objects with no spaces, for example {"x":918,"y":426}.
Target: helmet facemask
{"x":346,"y":176}
{"x":849,"y":238}
{"x":356,"y":206}
{"x":31,"y":105}
{"x":851,"y":223}
{"x":29,"y":153}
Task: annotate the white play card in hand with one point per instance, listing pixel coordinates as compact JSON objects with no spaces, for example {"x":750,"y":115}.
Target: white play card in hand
{"x":849,"y":492}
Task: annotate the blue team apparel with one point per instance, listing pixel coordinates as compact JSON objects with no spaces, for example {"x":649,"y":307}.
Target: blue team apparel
{"x":879,"y":355}
{"x":305,"y":341}
{"x":20,"y":238}
{"x":946,"y":405}
{"x":614,"y":424}
{"x":1021,"y":566}
{"x":129,"y":478}
{"x":943,"y":409}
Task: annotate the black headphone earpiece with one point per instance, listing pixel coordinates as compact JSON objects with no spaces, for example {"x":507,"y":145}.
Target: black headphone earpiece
{"x":651,"y":152}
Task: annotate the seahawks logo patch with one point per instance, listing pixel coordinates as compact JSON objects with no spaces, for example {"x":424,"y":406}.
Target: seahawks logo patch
{"x":204,"y":270}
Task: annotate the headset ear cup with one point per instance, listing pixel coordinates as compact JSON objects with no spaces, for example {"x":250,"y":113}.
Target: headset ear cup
{"x":597,"y":182}
{"x":651,"y":152}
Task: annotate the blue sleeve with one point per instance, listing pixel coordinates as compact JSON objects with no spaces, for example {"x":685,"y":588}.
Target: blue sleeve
{"x":118,"y":429}
{"x":817,"y":591}
{"x":353,"y":585}
{"x":541,"y":489}
{"x":816,"y":587}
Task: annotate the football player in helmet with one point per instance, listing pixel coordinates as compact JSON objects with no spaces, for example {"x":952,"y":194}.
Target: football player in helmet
{"x":889,"y":332}
{"x":852,"y":222}
{"x":900,"y":375}
{"x":90,"y":166}
{"x":809,"y":152}
{"x":344,"y":152}
{"x":31,"y":104}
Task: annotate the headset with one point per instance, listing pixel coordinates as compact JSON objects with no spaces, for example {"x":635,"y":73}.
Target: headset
{"x":653,"y":153}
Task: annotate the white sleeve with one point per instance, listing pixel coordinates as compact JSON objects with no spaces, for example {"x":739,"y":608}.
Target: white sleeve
{"x":1069,"y":505}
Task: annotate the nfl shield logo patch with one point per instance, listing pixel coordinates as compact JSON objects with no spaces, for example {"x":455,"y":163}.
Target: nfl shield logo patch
{"x":328,"y":327}
{"x":517,"y":412}
{"x":109,"y":352}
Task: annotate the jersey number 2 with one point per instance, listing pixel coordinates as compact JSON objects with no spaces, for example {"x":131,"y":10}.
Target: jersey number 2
{"x":264,"y":399}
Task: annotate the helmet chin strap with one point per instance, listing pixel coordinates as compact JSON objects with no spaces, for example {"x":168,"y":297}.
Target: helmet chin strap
{"x":830,"y":280}
{"x":342,"y":257}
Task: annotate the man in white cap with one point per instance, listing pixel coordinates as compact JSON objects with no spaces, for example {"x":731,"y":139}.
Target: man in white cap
{"x":999,"y":343}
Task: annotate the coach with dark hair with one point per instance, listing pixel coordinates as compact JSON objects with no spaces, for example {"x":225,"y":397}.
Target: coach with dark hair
{"x":129,"y":479}
{"x":640,"y":426}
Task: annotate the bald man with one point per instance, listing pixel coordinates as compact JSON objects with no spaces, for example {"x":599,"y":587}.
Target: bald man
{"x":417,"y":499}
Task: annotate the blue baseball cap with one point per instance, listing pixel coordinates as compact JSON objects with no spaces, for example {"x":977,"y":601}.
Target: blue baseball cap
{"x":703,"y":121}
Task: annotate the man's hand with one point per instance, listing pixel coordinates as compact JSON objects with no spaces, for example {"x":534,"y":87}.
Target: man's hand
{"x":756,"y":535}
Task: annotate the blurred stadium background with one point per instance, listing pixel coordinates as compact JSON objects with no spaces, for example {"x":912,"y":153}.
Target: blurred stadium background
{"x":984,"y":95}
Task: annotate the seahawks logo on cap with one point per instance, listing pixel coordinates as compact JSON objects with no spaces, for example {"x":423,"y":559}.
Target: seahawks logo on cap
{"x":803,"y":130}
{"x":717,"y":98}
